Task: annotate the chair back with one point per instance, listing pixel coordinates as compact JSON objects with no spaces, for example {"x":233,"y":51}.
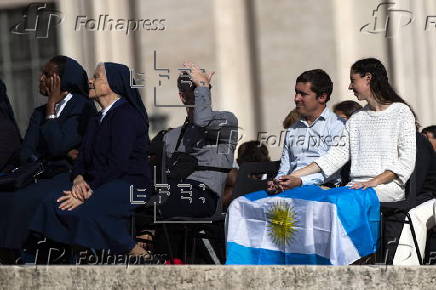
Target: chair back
{"x":410,"y":196}
{"x":411,"y":191}
{"x":246,"y":184}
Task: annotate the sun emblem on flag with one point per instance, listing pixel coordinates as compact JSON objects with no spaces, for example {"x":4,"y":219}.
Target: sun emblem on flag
{"x":282,"y":223}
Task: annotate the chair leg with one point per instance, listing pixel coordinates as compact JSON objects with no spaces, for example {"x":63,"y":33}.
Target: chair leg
{"x":185,"y":245}
{"x":194,"y":245}
{"x":133,"y":227}
{"x":167,"y":238}
{"x":412,"y":230}
{"x":380,"y":251}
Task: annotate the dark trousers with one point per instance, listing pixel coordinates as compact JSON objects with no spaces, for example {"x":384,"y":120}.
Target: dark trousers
{"x":391,"y":235}
{"x":188,"y":198}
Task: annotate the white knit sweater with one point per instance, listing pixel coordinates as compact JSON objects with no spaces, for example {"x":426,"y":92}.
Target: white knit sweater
{"x":376,"y":141}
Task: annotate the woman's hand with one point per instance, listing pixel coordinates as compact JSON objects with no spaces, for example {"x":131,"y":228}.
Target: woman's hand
{"x":274,"y":186}
{"x":270,"y":185}
{"x":81,"y":189}
{"x":54,"y":93}
{"x":383,"y":178}
{"x":289,"y":181}
{"x":364,"y":185}
{"x":54,"y":89}
{"x":68,"y":202}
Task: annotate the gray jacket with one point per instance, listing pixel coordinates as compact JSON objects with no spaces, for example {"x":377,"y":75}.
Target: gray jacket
{"x":211,"y":138}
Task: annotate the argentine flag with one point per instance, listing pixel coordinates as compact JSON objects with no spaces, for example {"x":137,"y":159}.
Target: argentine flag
{"x":304,"y":225}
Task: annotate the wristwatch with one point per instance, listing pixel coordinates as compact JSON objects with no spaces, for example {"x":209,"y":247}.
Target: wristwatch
{"x":52,"y":116}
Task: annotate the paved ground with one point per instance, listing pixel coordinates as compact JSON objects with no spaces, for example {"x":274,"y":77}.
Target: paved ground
{"x":217,"y":277}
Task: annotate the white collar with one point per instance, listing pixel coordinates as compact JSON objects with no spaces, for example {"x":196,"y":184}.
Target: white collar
{"x":105,"y":110}
{"x":59,"y":107}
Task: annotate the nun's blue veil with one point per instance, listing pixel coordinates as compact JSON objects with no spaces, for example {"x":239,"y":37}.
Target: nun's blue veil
{"x":73,"y":77}
{"x":118,"y":77}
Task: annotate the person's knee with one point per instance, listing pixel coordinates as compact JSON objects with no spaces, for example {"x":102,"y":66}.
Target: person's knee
{"x":405,"y":255}
{"x":422,"y":214}
{"x":413,"y":213}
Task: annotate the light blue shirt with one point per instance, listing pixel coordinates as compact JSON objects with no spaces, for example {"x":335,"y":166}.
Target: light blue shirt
{"x":304,"y":143}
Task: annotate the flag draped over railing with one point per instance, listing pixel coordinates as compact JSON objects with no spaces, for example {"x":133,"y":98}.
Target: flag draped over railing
{"x":304,"y":225}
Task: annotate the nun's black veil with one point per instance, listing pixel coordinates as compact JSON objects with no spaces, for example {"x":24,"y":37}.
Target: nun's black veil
{"x":118,"y":77}
{"x":5,"y":106}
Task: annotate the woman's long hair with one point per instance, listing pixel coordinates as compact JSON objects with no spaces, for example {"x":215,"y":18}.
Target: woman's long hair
{"x":379,"y":84}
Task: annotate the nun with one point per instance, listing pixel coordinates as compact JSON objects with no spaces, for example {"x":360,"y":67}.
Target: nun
{"x":95,"y":208}
{"x":54,"y":135}
{"x":10,"y":139}
{"x":10,"y":142}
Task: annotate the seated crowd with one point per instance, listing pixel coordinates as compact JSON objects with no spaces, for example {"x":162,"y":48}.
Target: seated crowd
{"x":97,"y":169}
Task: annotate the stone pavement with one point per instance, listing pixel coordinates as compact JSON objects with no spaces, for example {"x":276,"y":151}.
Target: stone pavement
{"x":217,"y":277}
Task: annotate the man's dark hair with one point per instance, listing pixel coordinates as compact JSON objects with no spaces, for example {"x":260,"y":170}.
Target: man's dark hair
{"x":252,"y":151}
{"x":430,"y":129}
{"x":320,"y":82}
{"x":184,"y":83}
{"x":347,"y":107}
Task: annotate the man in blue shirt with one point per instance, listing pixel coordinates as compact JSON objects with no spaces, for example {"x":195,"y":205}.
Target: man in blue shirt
{"x":311,"y":136}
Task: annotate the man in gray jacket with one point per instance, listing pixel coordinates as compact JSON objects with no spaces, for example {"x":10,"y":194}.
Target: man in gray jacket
{"x":207,"y":137}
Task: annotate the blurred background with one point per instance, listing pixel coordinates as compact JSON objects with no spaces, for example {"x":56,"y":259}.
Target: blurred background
{"x":257,"y":49}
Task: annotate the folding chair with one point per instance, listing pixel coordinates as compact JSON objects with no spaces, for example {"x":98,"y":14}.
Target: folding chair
{"x":194,"y":229}
{"x":244,"y":184}
{"x":387,"y":212}
{"x":198,"y":227}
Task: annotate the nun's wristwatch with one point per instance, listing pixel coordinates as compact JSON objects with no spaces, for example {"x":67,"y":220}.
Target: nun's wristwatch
{"x":52,"y":116}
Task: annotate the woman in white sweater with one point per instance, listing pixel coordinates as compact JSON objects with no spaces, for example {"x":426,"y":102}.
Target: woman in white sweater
{"x":380,"y":139}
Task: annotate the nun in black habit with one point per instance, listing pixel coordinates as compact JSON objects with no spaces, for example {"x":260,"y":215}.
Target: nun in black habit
{"x":94,"y":209}
{"x":10,"y":139}
{"x":54,"y":134}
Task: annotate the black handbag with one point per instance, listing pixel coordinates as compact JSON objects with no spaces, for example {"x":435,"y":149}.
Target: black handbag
{"x":181,"y":165}
{"x":21,"y":176}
